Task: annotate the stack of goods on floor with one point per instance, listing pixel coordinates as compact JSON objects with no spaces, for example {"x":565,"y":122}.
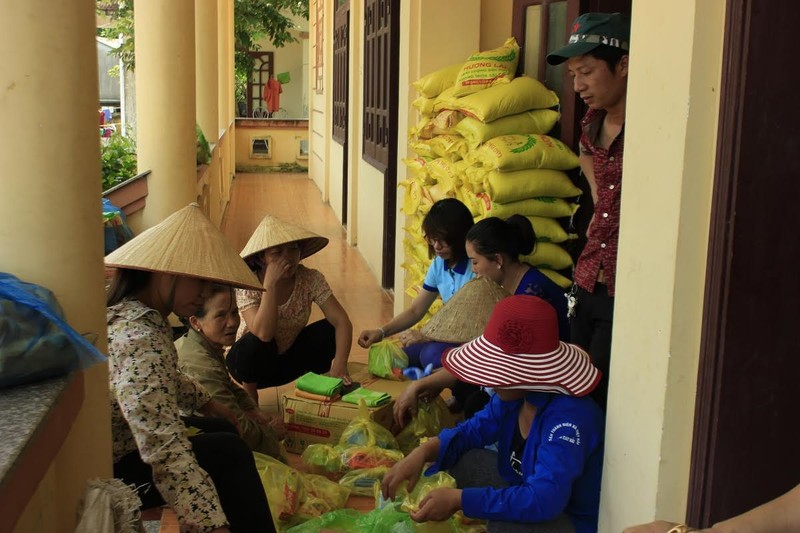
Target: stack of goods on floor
{"x":482,"y":139}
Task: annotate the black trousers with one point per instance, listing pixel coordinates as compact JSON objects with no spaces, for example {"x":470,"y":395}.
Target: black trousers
{"x":591,"y":330}
{"x":251,"y":360}
{"x":229,"y":462}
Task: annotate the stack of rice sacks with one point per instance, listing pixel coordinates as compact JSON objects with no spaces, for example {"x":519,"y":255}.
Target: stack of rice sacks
{"x":482,"y":139}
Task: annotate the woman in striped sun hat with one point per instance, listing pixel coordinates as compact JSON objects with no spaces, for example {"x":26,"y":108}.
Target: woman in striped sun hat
{"x":545,"y":475}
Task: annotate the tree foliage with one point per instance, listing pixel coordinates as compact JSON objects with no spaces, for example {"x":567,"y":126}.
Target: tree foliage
{"x":252,"y":20}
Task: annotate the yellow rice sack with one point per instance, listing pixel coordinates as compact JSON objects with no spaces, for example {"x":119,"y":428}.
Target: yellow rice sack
{"x":549,"y":230}
{"x":517,"y":152}
{"x":562,"y":281}
{"x":522,"y":94}
{"x":504,"y":187}
{"x":448,"y":119}
{"x":488,"y":68}
{"x":417,"y":168}
{"x":422,"y":148}
{"x":541,"y":207}
{"x":548,"y":255}
{"x":476,"y":132}
{"x":431,"y":85}
{"x":446,"y":100}
{"x":452,"y":147}
{"x":413,"y":197}
{"x":424,"y":106}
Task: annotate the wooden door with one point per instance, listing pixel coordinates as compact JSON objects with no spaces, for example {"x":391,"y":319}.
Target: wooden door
{"x":746,"y":435}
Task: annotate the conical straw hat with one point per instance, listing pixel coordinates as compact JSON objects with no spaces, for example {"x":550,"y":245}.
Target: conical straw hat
{"x":273,"y":231}
{"x":185,"y":243}
{"x":466,"y":314}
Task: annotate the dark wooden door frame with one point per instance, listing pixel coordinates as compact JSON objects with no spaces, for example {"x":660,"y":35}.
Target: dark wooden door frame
{"x":745,"y":432}
{"x":342,"y":83}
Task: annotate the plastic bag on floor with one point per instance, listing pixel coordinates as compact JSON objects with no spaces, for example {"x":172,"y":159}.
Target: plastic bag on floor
{"x":340,"y":521}
{"x":109,"y":506}
{"x":426,"y":423}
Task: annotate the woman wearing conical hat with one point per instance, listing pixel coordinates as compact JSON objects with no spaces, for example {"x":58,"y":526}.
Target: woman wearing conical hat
{"x":209,"y":480}
{"x":276,"y":344}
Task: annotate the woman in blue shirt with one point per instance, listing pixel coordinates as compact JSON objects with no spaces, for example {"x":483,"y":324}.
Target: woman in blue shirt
{"x":545,"y":475}
{"x":445,"y":228}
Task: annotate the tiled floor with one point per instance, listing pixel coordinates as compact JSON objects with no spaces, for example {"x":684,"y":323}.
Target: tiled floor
{"x":296,"y":199}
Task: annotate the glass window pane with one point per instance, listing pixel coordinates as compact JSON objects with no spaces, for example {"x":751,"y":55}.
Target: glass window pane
{"x":533,"y":24}
{"x":556,"y":38}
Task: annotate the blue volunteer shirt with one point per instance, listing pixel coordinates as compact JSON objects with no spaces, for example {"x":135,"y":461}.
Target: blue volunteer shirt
{"x":561,"y":463}
{"x":446,"y":281}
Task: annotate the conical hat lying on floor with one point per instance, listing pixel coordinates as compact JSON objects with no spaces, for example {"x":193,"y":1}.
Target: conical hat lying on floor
{"x":466,"y":314}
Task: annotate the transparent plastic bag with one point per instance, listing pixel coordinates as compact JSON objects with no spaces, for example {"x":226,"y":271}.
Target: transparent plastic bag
{"x":36,"y":342}
{"x":362,"y":482}
{"x":323,"y":459}
{"x":426,"y":423}
{"x":387,"y":360}
{"x":358,"y":457}
{"x":339,"y":521}
{"x":362,"y":431}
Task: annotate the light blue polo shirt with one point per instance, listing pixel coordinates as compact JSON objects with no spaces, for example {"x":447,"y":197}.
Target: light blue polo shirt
{"x":446,"y":281}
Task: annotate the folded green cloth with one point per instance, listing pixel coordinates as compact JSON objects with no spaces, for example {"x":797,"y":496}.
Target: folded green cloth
{"x":371,"y":397}
{"x":316,"y":384}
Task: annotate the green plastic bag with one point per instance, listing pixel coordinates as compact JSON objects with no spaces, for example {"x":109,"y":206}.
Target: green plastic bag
{"x":339,"y":521}
{"x":387,"y":360}
{"x":284,"y":77}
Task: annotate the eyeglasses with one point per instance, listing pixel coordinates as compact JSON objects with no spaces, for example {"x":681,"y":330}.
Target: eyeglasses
{"x":434,"y":240}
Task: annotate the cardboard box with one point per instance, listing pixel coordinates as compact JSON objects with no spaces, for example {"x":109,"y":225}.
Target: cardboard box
{"x":313,"y":422}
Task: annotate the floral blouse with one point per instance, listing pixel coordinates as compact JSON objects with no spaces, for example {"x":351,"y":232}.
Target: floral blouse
{"x":309,"y":286}
{"x":147,"y":392}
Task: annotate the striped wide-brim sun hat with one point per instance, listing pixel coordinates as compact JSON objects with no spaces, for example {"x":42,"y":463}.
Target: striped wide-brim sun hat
{"x":520,"y":349}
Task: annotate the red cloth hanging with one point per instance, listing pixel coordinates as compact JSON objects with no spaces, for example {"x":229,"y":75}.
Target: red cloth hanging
{"x":272,"y":94}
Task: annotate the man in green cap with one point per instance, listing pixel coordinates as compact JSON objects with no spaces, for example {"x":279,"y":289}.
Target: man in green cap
{"x":596,"y":57}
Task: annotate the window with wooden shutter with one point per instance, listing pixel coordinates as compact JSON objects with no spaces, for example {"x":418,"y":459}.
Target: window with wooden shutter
{"x":381,"y":36}
{"x":341,"y":58}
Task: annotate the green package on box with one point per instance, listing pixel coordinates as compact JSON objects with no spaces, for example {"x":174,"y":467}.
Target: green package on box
{"x":317,"y":384}
{"x":371,"y":398}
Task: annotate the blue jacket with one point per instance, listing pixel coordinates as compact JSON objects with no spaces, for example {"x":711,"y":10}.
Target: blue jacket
{"x":561,"y":463}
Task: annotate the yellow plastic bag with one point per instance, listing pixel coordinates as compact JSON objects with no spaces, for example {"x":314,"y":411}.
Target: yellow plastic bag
{"x":387,"y":360}
{"x":360,"y":457}
{"x":362,"y":431}
{"x":362,"y":482}
{"x":504,"y":187}
{"x":282,"y":485}
{"x":522,"y":94}
{"x":446,"y":100}
{"x":517,"y":152}
{"x":540,"y":207}
{"x":425,"y":484}
{"x":488,"y":68}
{"x":452,"y":147}
{"x":426,"y":423}
{"x":432,"y":84}
{"x":548,"y":255}
{"x":476,"y":132}
{"x":445,"y":172}
{"x":425,"y":106}
{"x":422,"y":148}
{"x":447,"y":120}
{"x":323,"y":459}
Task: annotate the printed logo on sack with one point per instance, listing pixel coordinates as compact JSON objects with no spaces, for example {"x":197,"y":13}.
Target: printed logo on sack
{"x":566,"y":431}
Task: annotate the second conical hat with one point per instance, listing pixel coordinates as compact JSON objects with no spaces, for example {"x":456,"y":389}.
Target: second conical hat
{"x":272,"y":231}
{"x":466,"y":314}
{"x":185,"y":243}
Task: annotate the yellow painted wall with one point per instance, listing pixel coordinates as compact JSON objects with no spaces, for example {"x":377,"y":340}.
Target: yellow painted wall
{"x":284,"y":149}
{"x":495,"y":22}
{"x":50,"y":211}
{"x":672,"y":112}
{"x":426,"y":44}
{"x":289,"y":58}
{"x":318,"y":146}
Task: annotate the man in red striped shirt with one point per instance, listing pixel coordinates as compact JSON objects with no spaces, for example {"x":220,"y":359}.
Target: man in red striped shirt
{"x":597,"y":59}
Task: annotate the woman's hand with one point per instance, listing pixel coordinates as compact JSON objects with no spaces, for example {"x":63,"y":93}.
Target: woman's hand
{"x":339,"y":370}
{"x":368,"y":337}
{"x":438,"y":505}
{"x":405,"y":403}
{"x":412,"y":336}
{"x":273,"y":421}
{"x":214,"y":408}
{"x":277,"y":269}
{"x":408,"y":469}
